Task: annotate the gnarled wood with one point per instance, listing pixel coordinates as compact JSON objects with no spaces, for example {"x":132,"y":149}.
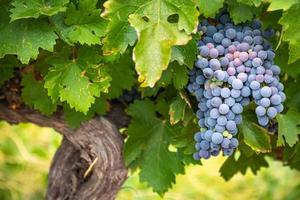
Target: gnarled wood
{"x":88,"y":164}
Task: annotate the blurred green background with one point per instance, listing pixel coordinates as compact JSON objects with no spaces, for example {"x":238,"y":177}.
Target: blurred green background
{"x":26,"y":151}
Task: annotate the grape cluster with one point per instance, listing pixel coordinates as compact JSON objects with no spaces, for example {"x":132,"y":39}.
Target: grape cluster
{"x":235,"y":66}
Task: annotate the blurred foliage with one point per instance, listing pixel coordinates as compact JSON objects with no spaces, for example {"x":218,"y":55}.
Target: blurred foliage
{"x":26,"y":151}
{"x":25,"y":156}
{"x":204,"y":182}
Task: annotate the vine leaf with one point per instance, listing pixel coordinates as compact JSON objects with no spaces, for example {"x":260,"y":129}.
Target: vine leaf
{"x":255,"y":136}
{"x":77,"y":82}
{"x":186,"y":54}
{"x":177,"y":110}
{"x":74,"y":118}
{"x":7,"y":65}
{"x":35,"y":95}
{"x":147,"y":146}
{"x":24,"y":37}
{"x":122,"y":74}
{"x":81,"y":23}
{"x":251,"y":2}
{"x":241,"y":12}
{"x":281,"y":4}
{"x":157,"y":34}
{"x":288,"y":127}
{"x":209,"y":8}
{"x":290,"y":23}
{"x":119,"y":32}
{"x":232,"y":165}
{"x":180,"y":75}
{"x":35,"y":8}
{"x":292,"y":69}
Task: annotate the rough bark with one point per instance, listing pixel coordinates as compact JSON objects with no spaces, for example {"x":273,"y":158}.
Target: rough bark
{"x":88,"y":165}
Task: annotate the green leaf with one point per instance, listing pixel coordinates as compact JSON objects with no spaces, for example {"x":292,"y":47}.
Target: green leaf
{"x":293,"y":94}
{"x":177,"y":110}
{"x":74,"y":118}
{"x":209,"y":8}
{"x":255,"y":136}
{"x":35,"y":95}
{"x":185,"y":55}
{"x":288,"y":128}
{"x":81,"y":23}
{"x":229,"y":168}
{"x":24,"y":37}
{"x":281,"y":59}
{"x":148,"y":146}
{"x":290,"y":23}
{"x":251,"y":2}
{"x":156,"y":35}
{"x":123,"y":76}
{"x":76,"y":82}
{"x":254,"y":162}
{"x":35,"y":8}
{"x":6,"y":74}
{"x":240,"y":12}
{"x":232,"y":165}
{"x":180,"y":75}
{"x":7,"y":65}
{"x":119,"y":32}
{"x":281,"y":4}
{"x":184,"y":140}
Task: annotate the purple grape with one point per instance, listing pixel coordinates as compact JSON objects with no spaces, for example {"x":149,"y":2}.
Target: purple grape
{"x":223,"y":109}
{"x":271,"y":112}
{"x":218,"y":37}
{"x":208,"y":73}
{"x":225,"y":144}
{"x":265,"y":102}
{"x":256,"y":62}
{"x":258,"y":40}
{"x":254,"y":85}
{"x":230,"y":33}
{"x":211,"y":30}
{"x":207,"y":135}
{"x":216,"y":101}
{"x":235,"y":93}
{"x":217,"y":138}
{"x":213,"y":53}
{"x":225,"y":92}
{"x":204,"y":145}
{"x":204,"y":154}
{"x":237,"y":108}
{"x":243,"y":56}
{"x":231,"y":125}
{"x":276,"y":99}
{"x":266,"y":91}
{"x":237,"y":84}
{"x":248,"y":39}
{"x":234,"y":143}
{"x":228,"y":152}
{"x":264,"y":120}
{"x":230,"y":101}
{"x":204,"y":51}
{"x":224,"y":61}
{"x":226,"y":42}
{"x":214,"y":113}
{"x":214,"y":64}
{"x":222,"y":120}
{"x":196,"y":156}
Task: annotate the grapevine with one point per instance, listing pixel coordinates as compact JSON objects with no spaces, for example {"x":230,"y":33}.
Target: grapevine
{"x":182,"y":81}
